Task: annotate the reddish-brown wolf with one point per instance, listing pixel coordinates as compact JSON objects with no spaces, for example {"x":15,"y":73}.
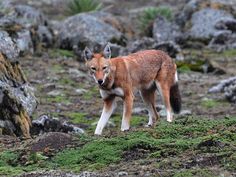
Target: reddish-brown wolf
{"x":145,"y":71}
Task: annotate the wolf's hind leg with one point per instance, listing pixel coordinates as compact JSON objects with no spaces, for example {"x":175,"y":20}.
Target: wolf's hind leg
{"x":148,"y":96}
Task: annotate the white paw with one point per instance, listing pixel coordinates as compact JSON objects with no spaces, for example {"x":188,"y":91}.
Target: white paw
{"x":148,"y":125}
{"x":169,"y":120}
{"x":98,"y":131}
{"x":124,"y":126}
{"x":124,"y":130}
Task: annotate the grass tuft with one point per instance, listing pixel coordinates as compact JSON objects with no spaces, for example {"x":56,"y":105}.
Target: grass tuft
{"x":79,"y":6}
{"x":150,"y":14}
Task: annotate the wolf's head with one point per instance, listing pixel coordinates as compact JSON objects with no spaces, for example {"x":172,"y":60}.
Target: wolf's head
{"x":98,"y":64}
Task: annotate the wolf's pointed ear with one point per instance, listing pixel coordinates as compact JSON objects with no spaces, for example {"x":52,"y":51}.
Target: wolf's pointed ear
{"x":107,"y":51}
{"x":87,"y":54}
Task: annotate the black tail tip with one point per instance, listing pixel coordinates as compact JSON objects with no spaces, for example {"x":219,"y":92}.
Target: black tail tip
{"x":175,"y":98}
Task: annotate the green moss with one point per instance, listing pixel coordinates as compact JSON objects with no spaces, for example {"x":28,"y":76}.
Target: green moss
{"x":92,"y":92}
{"x":77,"y":117}
{"x":8,"y":163}
{"x":184,"y":69}
{"x":10,"y":171}
{"x":229,"y":53}
{"x":58,"y":99}
{"x":193,"y":65}
{"x":164,"y":142}
{"x":209,"y":103}
{"x":170,"y":145}
{"x":8,"y":158}
{"x":57,"y":68}
{"x":55,"y":53}
{"x":67,"y":81}
{"x":93,"y":155}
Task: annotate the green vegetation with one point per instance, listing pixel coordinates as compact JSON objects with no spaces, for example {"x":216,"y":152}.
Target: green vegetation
{"x":78,"y":118}
{"x":229,"y":53}
{"x":209,"y":103}
{"x":90,"y":93}
{"x":184,"y":69}
{"x":55,"y":53}
{"x":150,"y":14}
{"x":58,"y":99}
{"x":168,"y":146}
{"x":79,"y":6}
{"x":190,"y":65}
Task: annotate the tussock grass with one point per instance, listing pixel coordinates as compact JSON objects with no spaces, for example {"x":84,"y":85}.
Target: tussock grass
{"x":79,"y":6}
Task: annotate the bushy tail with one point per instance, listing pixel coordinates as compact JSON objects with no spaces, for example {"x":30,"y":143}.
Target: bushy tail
{"x":175,"y":98}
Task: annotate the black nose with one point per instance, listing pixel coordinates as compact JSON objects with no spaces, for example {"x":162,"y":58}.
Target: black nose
{"x":100,"y":81}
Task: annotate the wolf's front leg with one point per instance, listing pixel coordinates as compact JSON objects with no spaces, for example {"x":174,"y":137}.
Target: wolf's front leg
{"x":109,"y":106}
{"x":127,"y":111}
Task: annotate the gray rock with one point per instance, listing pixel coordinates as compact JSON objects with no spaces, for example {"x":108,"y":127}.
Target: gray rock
{"x":17,"y":100}
{"x":45,"y":123}
{"x":7,"y":47}
{"x":55,"y":93}
{"x":223,"y":40}
{"x":80,"y":91}
{"x":185,"y":112}
{"x":228,"y":87}
{"x":141,"y":44}
{"x":226,"y":24}
{"x":28,"y":27}
{"x":18,"y":95}
{"x":171,"y":48}
{"x":24,"y":42}
{"x":86,"y":30}
{"x":45,"y":36}
{"x":146,"y":43}
{"x":187,"y":12}
{"x":8,"y":127}
{"x":122,"y":173}
{"x":204,"y":22}
{"x":164,"y":30}
{"x":29,"y":16}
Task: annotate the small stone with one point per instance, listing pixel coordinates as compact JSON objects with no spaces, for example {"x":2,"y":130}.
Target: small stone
{"x":80,"y":91}
{"x":122,"y":173}
{"x":55,"y":93}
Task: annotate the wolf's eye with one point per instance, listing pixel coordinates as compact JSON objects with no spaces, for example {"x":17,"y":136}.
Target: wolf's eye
{"x":104,"y":68}
{"x":93,"y":68}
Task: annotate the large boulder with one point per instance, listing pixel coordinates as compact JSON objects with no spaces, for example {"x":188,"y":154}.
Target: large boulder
{"x":17,"y":100}
{"x":28,"y":26}
{"x":208,"y":22}
{"x":29,"y":16}
{"x":193,"y":6}
{"x":204,"y":23}
{"x":164,"y":30}
{"x":83,"y":30}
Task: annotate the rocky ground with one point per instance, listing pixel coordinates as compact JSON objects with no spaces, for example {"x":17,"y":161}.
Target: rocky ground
{"x":201,"y":142}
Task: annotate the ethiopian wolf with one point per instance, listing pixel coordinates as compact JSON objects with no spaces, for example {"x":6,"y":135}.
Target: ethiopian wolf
{"x":145,"y":71}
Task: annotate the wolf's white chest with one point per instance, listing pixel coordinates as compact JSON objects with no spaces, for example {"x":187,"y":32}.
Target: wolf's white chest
{"x":117,"y":92}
